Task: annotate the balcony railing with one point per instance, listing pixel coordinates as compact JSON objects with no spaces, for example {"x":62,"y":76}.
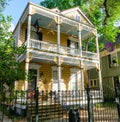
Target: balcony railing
{"x":87,"y":54}
{"x":49,"y":47}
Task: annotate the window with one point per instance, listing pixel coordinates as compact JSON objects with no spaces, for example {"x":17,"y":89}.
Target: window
{"x":55,"y":82}
{"x":116,"y":81}
{"x":72,"y":44}
{"x":93,"y":83}
{"x":74,"y":81}
{"x":55,"y":74}
{"x":77,"y":18}
{"x":34,"y":34}
{"x":72,"y":47}
{"x":113,"y":60}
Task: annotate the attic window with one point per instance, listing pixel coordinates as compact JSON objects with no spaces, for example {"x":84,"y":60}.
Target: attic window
{"x":77,"y":17}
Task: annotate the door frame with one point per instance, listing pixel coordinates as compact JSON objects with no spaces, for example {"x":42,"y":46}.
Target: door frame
{"x":75,"y":70}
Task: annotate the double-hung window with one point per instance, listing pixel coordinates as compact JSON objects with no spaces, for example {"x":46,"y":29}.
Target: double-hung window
{"x":55,"y":74}
{"x":113,"y":60}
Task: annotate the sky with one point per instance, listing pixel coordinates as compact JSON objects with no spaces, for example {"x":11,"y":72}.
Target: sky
{"x":15,"y":9}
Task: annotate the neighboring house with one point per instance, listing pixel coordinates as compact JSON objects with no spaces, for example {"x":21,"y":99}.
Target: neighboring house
{"x":110,"y":67}
{"x":61,"y":49}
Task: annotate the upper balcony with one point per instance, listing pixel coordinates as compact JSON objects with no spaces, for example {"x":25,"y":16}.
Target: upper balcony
{"x":53,"y":48}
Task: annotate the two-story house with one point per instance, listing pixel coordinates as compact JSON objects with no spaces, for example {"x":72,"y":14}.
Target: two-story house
{"x":61,"y":48}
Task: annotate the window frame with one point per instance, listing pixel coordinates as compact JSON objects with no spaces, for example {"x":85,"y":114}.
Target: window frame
{"x":54,"y":69}
{"x":111,"y":63}
{"x":94,"y":85}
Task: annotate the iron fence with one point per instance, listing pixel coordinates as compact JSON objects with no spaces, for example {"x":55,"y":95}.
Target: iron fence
{"x":60,"y":106}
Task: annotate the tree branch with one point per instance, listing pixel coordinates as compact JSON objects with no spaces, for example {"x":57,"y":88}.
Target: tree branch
{"x":107,"y":15}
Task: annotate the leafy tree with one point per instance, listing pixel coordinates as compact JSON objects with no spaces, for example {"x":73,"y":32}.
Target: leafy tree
{"x":102,"y":13}
{"x":3,"y":3}
{"x":10,"y":69}
{"x":8,"y":52}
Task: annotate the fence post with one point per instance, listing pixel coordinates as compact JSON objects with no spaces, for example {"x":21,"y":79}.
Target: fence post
{"x":36,"y":106}
{"x":117,"y":99}
{"x":90,"y":106}
{"x":15,"y":102}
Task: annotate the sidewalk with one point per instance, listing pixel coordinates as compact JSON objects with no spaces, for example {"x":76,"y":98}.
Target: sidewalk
{"x":4,"y":118}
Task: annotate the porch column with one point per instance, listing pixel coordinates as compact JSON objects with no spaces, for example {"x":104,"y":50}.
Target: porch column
{"x":80,"y":49}
{"x":27,"y":53}
{"x":28,"y":29}
{"x":27,"y":71}
{"x":80,"y":40}
{"x":82,"y":79}
{"x":58,"y":42}
{"x":99,"y":68}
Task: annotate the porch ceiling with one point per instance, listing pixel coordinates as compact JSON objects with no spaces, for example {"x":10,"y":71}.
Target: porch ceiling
{"x":50,"y":24}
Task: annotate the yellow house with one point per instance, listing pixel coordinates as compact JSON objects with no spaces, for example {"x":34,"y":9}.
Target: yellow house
{"x":61,"y":48}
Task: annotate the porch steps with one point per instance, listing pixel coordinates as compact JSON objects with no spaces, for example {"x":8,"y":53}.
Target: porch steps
{"x":45,"y":112}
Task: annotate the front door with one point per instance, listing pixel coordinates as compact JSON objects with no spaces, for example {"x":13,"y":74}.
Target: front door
{"x":33,"y":80}
{"x":75,"y":80}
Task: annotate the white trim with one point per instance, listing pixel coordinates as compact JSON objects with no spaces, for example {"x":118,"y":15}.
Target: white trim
{"x":105,"y":52}
{"x":34,"y":66}
{"x":74,"y":69}
{"x":79,"y":10}
{"x":77,"y":73}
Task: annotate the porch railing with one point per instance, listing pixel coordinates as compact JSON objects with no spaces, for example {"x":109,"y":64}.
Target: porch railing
{"x":46,"y":46}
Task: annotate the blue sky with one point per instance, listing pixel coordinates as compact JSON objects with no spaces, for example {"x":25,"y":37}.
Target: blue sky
{"x":16,"y":7}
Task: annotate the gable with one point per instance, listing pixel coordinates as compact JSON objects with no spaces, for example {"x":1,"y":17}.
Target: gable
{"x":77,"y":14}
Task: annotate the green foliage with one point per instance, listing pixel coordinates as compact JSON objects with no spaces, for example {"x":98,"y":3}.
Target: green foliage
{"x":105,"y":105}
{"x":3,"y":3}
{"x":10,"y":69}
{"x":102,"y":13}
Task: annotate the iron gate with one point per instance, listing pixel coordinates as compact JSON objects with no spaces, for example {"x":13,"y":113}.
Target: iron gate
{"x":55,"y":106}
